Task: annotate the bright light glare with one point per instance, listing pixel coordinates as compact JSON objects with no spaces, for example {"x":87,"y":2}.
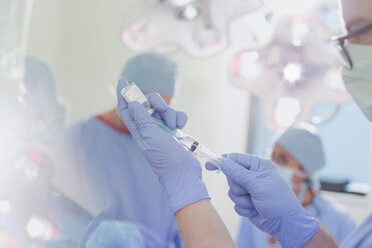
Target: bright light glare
{"x":287,"y":111}
{"x":38,"y":228}
{"x":189,"y":12}
{"x":5,"y":207}
{"x":292,"y":72}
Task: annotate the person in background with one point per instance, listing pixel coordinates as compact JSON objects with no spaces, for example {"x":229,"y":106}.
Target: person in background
{"x":115,"y":181}
{"x":299,"y":154}
{"x":39,"y":108}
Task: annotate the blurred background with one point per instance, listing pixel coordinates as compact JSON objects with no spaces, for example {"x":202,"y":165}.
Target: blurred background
{"x":247,"y":70}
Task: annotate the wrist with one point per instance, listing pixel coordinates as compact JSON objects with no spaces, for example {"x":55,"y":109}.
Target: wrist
{"x":297,"y":229}
{"x":184,"y":185}
{"x":187,"y":195}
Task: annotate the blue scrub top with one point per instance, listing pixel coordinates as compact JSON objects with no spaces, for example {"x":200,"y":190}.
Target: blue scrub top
{"x":361,"y":237}
{"x":332,"y":217}
{"x":115,"y":176}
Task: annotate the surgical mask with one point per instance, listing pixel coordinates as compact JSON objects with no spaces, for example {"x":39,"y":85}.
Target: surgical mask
{"x":287,"y":174}
{"x":358,"y":80}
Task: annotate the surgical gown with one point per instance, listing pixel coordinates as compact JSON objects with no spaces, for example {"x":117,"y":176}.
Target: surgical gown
{"x":114,"y":180}
{"x":332,"y":217}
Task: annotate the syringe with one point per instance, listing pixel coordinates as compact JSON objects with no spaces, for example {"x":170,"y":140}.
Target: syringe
{"x":132,"y":93}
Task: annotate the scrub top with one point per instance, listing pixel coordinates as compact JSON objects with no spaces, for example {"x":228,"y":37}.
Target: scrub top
{"x":361,"y":237}
{"x":115,"y":181}
{"x":334,"y":218}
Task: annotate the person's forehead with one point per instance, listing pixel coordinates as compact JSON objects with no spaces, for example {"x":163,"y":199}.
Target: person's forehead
{"x":356,"y":13}
{"x":278,"y":148}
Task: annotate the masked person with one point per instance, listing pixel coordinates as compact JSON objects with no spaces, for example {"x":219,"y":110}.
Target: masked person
{"x":115,"y":182}
{"x":298,"y":153}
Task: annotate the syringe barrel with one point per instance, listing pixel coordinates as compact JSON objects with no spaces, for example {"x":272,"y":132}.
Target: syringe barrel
{"x":132,"y":93}
{"x":205,"y":153}
{"x":197,"y":148}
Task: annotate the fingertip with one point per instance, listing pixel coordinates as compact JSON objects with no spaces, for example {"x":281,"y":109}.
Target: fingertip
{"x":238,"y":210}
{"x":121,"y":104}
{"x":230,"y":193}
{"x":156,"y":101}
{"x":209,"y":166}
{"x":170,"y":117}
{"x":181,"y":119}
{"x":226,"y":165}
{"x":122,"y":83}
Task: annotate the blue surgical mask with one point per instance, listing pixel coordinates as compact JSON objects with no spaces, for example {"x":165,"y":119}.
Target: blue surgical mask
{"x":358,"y":80}
{"x":287,"y":174}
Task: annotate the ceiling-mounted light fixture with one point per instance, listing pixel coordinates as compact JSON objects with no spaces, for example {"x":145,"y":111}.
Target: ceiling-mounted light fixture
{"x":199,"y":27}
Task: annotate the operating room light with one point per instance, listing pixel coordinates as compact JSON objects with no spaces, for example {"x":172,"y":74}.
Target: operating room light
{"x":292,"y":72}
{"x":199,"y":27}
{"x":287,"y":111}
{"x":189,"y":12}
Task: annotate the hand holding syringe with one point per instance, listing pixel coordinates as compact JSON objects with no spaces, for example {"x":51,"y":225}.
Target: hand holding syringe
{"x":132,"y":93}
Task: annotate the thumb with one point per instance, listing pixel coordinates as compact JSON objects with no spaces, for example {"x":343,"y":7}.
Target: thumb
{"x":236,"y":173}
{"x":122,"y":104}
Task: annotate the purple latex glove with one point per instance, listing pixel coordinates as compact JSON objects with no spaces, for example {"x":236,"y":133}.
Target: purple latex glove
{"x":178,"y":170}
{"x":260,"y":194}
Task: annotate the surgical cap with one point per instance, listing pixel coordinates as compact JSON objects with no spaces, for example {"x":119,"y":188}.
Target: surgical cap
{"x":38,"y":82}
{"x":152,"y":72}
{"x":302,"y":141}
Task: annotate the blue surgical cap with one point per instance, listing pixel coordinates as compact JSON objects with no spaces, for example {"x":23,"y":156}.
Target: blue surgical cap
{"x":302,"y":141}
{"x":152,"y":72}
{"x":38,"y":82}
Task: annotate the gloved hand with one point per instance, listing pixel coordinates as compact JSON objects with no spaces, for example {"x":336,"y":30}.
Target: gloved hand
{"x":178,"y":170}
{"x":260,"y":194}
